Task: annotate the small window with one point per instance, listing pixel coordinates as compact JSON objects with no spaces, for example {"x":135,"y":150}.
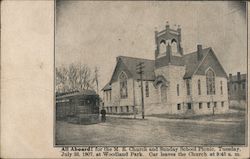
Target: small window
{"x":189,"y":106}
{"x":188,"y":87}
{"x":235,"y":87}
{"x":174,"y":46}
{"x":178,"y":89}
{"x":111,"y":110}
{"x":162,"y":46}
{"x":215,"y":104}
{"x":147,"y":89}
{"x":178,"y":106}
{"x":107,"y":96}
{"x":116,"y":109}
{"x":127,"y":108}
{"x":221,"y":87}
{"x":222,"y":104}
{"x":243,"y":86}
{"x":199,"y":87}
{"x":208,"y":105}
{"x":200,"y":105}
{"x":82,"y":103}
{"x":110,"y":96}
{"x":121,"y":109}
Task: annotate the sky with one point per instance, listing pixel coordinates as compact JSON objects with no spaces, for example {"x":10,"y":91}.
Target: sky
{"x":96,"y":32}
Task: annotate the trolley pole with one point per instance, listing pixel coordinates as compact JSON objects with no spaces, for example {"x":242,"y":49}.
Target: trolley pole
{"x":140,"y":71}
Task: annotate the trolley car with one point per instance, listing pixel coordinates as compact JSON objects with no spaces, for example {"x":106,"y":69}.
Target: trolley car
{"x":78,"y":107}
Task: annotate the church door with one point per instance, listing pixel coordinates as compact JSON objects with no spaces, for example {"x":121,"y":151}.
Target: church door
{"x":163,"y":93}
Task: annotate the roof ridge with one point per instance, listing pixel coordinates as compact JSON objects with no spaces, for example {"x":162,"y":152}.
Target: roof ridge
{"x":196,"y":51}
{"x":136,"y":58}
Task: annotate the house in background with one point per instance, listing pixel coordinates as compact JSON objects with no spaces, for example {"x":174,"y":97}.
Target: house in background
{"x":173,"y":83}
{"x":237,"y":87}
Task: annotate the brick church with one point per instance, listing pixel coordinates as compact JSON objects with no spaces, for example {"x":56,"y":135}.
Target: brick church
{"x":173,"y":83}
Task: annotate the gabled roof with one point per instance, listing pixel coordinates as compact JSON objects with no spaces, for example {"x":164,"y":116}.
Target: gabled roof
{"x":209,"y":60}
{"x":131,"y":64}
{"x":191,"y":62}
{"x":193,"y":66}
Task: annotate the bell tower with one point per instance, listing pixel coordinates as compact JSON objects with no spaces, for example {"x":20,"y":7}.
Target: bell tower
{"x":168,"y":43}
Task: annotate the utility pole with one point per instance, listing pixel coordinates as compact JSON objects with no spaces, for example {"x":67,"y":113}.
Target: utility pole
{"x":212,"y":102}
{"x":139,"y":69}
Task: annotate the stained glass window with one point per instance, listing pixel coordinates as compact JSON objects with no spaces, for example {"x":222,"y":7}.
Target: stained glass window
{"x":210,"y":80}
{"x":123,"y":85}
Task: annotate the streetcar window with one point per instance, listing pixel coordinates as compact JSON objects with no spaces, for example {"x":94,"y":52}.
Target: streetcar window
{"x":82,"y":103}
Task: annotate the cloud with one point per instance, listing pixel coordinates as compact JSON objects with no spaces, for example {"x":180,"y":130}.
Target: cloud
{"x":96,"y":32}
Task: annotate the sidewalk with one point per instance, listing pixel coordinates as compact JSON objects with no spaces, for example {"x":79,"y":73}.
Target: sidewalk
{"x":200,"y":121}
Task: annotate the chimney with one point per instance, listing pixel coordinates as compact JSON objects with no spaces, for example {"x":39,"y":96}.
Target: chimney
{"x":230,"y":76}
{"x":238,"y":76}
{"x":199,"y":52}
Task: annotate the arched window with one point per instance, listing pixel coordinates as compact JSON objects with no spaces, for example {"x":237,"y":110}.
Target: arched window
{"x":210,"y":80}
{"x":162,"y":46}
{"x":174,"y":46}
{"x":199,"y":87}
{"x":123,"y":85}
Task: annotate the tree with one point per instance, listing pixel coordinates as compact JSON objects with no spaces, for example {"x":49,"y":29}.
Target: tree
{"x":75,"y":77}
{"x":61,"y":79}
{"x":84,"y":77}
{"x":95,"y":79}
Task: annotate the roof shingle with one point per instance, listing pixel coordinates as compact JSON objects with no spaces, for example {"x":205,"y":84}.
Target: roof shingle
{"x":192,"y":63}
{"x":132,"y":62}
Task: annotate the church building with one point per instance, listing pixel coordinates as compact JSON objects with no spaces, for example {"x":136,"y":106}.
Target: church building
{"x":173,"y":83}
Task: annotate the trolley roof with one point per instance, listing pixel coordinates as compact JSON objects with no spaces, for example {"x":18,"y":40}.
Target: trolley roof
{"x":75,"y":94}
